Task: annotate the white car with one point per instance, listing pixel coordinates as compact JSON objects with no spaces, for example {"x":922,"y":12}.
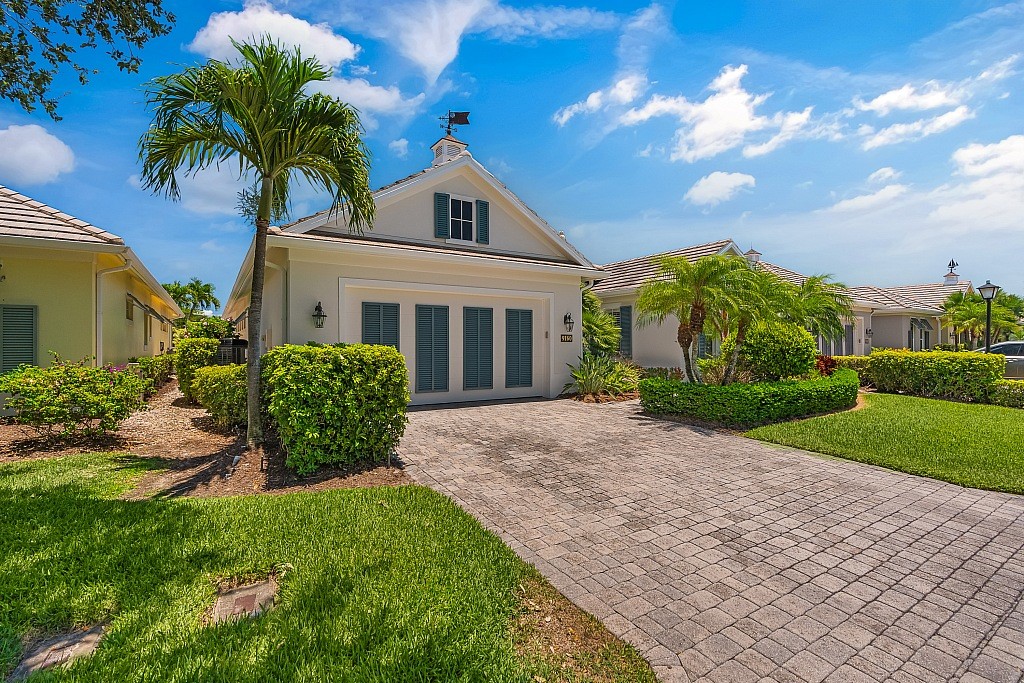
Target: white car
{"x":1014,"y":352}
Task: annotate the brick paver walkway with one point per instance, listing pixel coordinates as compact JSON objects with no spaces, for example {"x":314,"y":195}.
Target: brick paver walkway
{"x":724,"y":559}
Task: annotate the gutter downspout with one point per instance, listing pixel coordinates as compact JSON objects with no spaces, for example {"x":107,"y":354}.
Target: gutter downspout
{"x":284,"y":300}
{"x":99,"y":302}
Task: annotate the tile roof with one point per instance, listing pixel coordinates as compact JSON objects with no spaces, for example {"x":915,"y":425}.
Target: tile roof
{"x":635,"y":272}
{"x":784,"y":273}
{"x":21,"y":216}
{"x":418,"y":247}
{"x":928,"y":296}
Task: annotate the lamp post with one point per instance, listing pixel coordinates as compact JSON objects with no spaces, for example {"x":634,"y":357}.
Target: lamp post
{"x":988,"y":292}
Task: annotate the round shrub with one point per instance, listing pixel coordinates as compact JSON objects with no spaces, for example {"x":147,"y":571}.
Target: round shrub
{"x":221,"y":389}
{"x":778,"y":351}
{"x":190,"y":354}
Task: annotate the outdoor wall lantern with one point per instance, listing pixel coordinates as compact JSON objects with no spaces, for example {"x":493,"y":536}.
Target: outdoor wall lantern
{"x":988,"y":292}
{"x":568,"y":321}
{"x":318,"y":315}
{"x":867,"y":332}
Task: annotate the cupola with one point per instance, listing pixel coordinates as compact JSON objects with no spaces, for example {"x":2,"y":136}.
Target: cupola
{"x":951,"y":277}
{"x":446,"y":149}
{"x":753,"y":256}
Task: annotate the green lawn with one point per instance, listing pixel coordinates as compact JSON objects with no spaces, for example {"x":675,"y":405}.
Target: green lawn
{"x":382,"y":584}
{"x":972,"y":445}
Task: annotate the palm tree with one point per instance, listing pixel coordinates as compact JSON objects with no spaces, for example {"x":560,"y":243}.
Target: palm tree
{"x":823,"y":307}
{"x":258,"y":113}
{"x":759,"y":296}
{"x":600,"y":331}
{"x":193,"y":296}
{"x":691,"y":292}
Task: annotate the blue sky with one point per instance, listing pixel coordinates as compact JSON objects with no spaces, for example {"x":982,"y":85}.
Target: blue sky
{"x":872,"y":140}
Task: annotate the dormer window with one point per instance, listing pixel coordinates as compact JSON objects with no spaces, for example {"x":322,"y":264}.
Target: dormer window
{"x":461,"y":219}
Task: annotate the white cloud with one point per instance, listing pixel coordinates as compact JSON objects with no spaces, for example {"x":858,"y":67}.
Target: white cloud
{"x":867,"y":202}
{"x":791,"y":125}
{"x":210,"y":192}
{"x":510,"y":23}
{"x":993,"y":196}
{"x":884,"y":175}
{"x":718,"y":187}
{"x":369,"y":98}
{"x":32,"y":156}
{"x":258,"y":18}
{"x":980,"y":160}
{"x":915,"y":130}
{"x":399,"y":147}
{"x":623,"y":91}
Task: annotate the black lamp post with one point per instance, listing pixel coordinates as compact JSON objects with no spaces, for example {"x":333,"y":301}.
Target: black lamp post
{"x":988,"y":292}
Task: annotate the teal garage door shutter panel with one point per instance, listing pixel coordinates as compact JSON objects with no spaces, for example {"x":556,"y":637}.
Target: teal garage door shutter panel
{"x":518,"y":348}
{"x":431,"y":348}
{"x":380,"y":324}
{"x":18,"y":336}
{"x":626,"y":331}
{"x":478,"y":348}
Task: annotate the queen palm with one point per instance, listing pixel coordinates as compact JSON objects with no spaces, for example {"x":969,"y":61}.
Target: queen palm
{"x":759,"y":296}
{"x":195,"y":295}
{"x":258,"y":113}
{"x":823,"y":306}
{"x":691,"y":292}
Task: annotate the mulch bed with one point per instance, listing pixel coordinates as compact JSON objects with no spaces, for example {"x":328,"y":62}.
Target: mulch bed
{"x":196,"y":455}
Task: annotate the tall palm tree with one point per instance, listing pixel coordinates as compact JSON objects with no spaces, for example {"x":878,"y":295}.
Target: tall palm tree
{"x":258,"y":113}
{"x":758,"y":296}
{"x":824,"y":307}
{"x":193,"y":296}
{"x":690,"y":292}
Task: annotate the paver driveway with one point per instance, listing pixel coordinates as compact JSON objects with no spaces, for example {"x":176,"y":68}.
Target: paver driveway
{"x":724,"y":558}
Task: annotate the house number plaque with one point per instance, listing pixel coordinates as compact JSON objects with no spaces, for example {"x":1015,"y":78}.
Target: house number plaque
{"x":567,"y":337}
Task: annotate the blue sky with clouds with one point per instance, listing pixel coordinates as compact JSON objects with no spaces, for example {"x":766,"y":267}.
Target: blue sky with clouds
{"x":873,"y":140}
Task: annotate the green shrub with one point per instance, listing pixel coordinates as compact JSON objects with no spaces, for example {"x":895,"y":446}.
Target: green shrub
{"x":600,"y":331}
{"x":1008,"y":393}
{"x":190,"y":354}
{"x":221,"y":389}
{"x":71,"y":399}
{"x":662,"y":373}
{"x":602,"y":375}
{"x":937,"y":374}
{"x":774,"y":351}
{"x":859,"y":364}
{"x":336,"y":405}
{"x":156,"y":369}
{"x":208,"y":327}
{"x":750,"y":404}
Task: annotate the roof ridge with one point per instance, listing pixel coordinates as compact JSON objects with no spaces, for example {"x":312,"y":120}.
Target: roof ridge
{"x":665,"y":253}
{"x":52,"y":212}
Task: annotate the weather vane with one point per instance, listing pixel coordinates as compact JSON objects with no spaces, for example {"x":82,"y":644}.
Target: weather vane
{"x":952,"y":264}
{"x":454,"y":118}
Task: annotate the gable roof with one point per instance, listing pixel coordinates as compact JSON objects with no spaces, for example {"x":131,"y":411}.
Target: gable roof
{"x":21,"y":216}
{"x":929,"y":296}
{"x":573,"y":256}
{"x":636,"y":271}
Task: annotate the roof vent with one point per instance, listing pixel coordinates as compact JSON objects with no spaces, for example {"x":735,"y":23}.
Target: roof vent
{"x":753,"y":256}
{"x":951,"y":277}
{"x":446,"y":149}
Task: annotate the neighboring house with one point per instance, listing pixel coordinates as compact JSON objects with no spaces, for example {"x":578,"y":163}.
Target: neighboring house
{"x":74,"y":289}
{"x":471,"y":285}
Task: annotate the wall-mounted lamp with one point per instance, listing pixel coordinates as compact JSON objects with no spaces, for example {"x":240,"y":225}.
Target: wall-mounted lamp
{"x":568,"y":322}
{"x":318,"y":315}
{"x":867,"y":332}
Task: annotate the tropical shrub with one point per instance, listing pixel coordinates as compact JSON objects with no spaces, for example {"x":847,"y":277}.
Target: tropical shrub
{"x":774,"y":351}
{"x":336,"y":405}
{"x":209,"y":327}
{"x":190,"y":354}
{"x":825,"y":365}
{"x":662,"y":373}
{"x":859,"y":364}
{"x":600,"y":331}
{"x":1008,"y":393}
{"x":750,"y":404}
{"x":221,"y":390}
{"x":72,"y":398}
{"x":602,"y":375}
{"x":937,"y":374}
{"x":156,"y":369}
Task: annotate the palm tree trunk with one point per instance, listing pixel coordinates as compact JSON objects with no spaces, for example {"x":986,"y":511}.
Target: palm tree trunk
{"x":697,"y":318}
{"x":734,"y":357}
{"x":685,"y":342}
{"x":254,"y":432}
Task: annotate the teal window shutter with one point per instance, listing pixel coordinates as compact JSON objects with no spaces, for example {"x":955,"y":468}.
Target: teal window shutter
{"x":478,"y":348}
{"x":483,"y":222}
{"x":703,"y":348}
{"x":518,"y":348}
{"x":18,"y":336}
{"x":380,"y":324}
{"x":431,"y":348}
{"x":442,"y":215}
{"x":626,"y":331}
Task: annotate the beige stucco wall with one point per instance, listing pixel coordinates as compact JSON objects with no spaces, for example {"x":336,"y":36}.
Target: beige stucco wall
{"x":59,"y":283}
{"x":124,"y":338}
{"x":890,"y":330}
{"x":654,"y":345}
{"x":411,"y":215}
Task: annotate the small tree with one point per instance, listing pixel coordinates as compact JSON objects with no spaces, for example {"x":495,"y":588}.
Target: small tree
{"x":601,"y":334}
{"x":192,"y":297}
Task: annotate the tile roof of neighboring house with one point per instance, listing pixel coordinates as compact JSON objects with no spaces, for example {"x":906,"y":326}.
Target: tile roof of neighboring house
{"x":929,"y":296}
{"x":635,"y":272}
{"x":21,"y":216}
{"x":378,"y":240}
{"x":784,"y":273}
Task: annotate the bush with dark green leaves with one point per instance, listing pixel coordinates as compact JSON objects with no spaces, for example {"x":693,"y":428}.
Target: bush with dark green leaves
{"x":859,"y":364}
{"x":71,"y":399}
{"x":156,"y":369}
{"x":190,"y":354}
{"x":207,"y":327}
{"x":336,"y":405}
{"x":602,"y":376}
{"x":937,"y":374}
{"x":221,"y":389}
{"x":1008,"y":393}
{"x":774,"y":351}
{"x":740,"y":404}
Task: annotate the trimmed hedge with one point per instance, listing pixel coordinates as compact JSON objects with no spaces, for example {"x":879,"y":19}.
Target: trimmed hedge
{"x":336,"y":405}
{"x":71,"y":399}
{"x":156,"y":369}
{"x":937,"y":374}
{"x":190,"y":354}
{"x":859,"y":364}
{"x":1008,"y":393}
{"x":750,"y":404}
{"x":221,"y":390}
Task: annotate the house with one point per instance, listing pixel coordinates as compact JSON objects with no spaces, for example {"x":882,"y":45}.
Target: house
{"x":892,"y":317}
{"x":71,"y":288}
{"x":478,"y":292}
